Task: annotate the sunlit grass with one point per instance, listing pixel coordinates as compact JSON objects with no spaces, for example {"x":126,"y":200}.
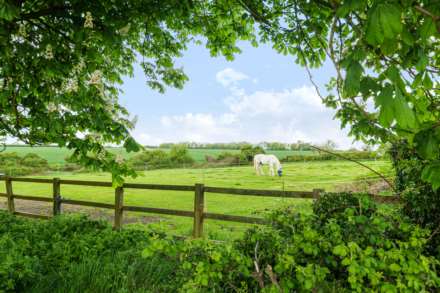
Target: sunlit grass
{"x":297,"y":176}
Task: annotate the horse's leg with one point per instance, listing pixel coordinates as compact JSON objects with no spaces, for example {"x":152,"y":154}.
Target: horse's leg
{"x":272,"y":173}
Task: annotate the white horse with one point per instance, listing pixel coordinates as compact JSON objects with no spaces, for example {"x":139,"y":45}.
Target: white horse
{"x":271,"y":160}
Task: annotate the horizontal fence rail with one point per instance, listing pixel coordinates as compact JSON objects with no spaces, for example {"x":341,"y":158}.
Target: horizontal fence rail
{"x":199,"y":214}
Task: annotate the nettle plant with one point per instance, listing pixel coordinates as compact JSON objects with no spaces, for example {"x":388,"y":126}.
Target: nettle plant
{"x":386,"y":55}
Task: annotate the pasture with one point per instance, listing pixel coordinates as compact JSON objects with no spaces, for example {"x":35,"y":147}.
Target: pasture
{"x":56,"y":155}
{"x":329,"y":175}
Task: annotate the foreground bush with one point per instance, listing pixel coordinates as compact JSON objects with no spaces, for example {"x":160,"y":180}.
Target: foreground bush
{"x":75,"y":254}
{"x":353,"y":248}
{"x":348,"y":244}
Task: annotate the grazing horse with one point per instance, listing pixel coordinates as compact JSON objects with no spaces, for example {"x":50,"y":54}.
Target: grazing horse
{"x":271,"y":160}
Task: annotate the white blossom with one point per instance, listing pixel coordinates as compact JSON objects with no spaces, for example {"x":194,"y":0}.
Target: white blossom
{"x":101,"y":156}
{"x":51,"y":107}
{"x":78,"y":68}
{"x":49,"y":53}
{"x":119,"y":159}
{"x":71,"y":86}
{"x":123,"y":31}
{"x":96,"y":77}
{"x":88,"y":23}
{"x":22,"y":31}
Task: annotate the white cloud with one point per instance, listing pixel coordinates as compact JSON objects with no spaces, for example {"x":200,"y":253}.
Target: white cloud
{"x":264,"y":115}
{"x":201,"y":127}
{"x":230,"y":77}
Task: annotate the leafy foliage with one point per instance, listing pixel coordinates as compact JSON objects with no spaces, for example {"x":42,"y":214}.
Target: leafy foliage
{"x":340,"y":249}
{"x":357,"y":247}
{"x":420,"y":202}
{"x":73,"y":254}
{"x":355,"y":155}
{"x":247,"y":152}
{"x":12,"y":164}
{"x":62,"y":62}
{"x":178,"y":156}
{"x":385,"y":53}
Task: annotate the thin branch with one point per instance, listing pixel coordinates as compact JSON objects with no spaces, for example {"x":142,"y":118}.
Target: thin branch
{"x":428,"y":13}
{"x":436,"y":231}
{"x":359,"y":163}
{"x":435,"y":18}
{"x":258,"y":274}
{"x":272,"y":276}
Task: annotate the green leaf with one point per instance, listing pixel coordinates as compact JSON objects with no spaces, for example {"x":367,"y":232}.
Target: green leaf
{"x":374,"y":33}
{"x":390,"y":20}
{"x":349,"y":6}
{"x":340,"y":250}
{"x":428,"y":28}
{"x":427,"y":144}
{"x":404,"y":114}
{"x":393,"y":74}
{"x":423,"y":61}
{"x":431,"y":174}
{"x":394,"y":267}
{"x":352,"y":83}
{"x":131,"y":145}
{"x":386,"y":103}
{"x":407,"y":37}
{"x":8,"y":11}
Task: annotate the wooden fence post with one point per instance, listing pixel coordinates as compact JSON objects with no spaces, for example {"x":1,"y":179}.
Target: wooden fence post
{"x":119,"y":203}
{"x":199,"y":203}
{"x":56,"y":197}
{"x":317,"y":192}
{"x":11,"y":205}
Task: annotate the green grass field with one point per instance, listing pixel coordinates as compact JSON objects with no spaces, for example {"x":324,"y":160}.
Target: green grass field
{"x":297,"y":176}
{"x":56,"y":155}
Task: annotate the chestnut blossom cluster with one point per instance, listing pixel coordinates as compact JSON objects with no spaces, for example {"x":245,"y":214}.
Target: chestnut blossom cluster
{"x":119,"y":159}
{"x":96,"y":78}
{"x":88,"y":23}
{"x":48,"y":54}
{"x":52,"y":107}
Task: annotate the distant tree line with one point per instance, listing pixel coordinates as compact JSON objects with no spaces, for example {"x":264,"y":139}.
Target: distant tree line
{"x":270,"y":146}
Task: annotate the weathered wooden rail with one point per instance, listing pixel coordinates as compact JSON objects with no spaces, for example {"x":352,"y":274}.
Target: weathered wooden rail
{"x":198,"y":213}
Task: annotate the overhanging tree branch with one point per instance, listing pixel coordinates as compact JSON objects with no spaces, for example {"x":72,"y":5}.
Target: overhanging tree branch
{"x":359,"y":163}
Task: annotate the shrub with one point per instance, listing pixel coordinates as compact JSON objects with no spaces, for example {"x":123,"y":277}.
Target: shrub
{"x":14,"y":165}
{"x":420,"y":202}
{"x":34,"y":161}
{"x":157,"y":159}
{"x":247,"y":152}
{"x":356,"y":248}
{"x":354,"y":155}
{"x":179,"y":155}
{"x":46,"y":252}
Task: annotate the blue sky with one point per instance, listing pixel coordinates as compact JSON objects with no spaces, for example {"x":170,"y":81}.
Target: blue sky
{"x":260,"y":96}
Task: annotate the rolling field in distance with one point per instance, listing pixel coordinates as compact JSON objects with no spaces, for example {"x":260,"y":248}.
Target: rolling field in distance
{"x":56,"y":155}
{"x":329,"y":175}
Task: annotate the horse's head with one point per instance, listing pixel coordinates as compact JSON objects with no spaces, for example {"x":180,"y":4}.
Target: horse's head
{"x":280,"y":171}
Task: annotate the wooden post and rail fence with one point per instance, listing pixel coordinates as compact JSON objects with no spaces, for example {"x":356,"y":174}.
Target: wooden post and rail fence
{"x":199,"y":214}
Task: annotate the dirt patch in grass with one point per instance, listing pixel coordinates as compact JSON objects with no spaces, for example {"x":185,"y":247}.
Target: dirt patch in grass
{"x":45,"y":208}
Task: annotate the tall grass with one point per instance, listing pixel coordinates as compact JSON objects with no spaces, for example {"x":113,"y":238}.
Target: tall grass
{"x":122,"y":272}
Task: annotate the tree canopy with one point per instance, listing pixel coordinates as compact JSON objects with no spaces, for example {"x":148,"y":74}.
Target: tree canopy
{"x":386,"y":54}
{"x":61,"y":63}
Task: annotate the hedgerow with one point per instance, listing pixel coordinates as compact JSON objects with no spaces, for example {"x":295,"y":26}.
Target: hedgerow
{"x":15,"y":165}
